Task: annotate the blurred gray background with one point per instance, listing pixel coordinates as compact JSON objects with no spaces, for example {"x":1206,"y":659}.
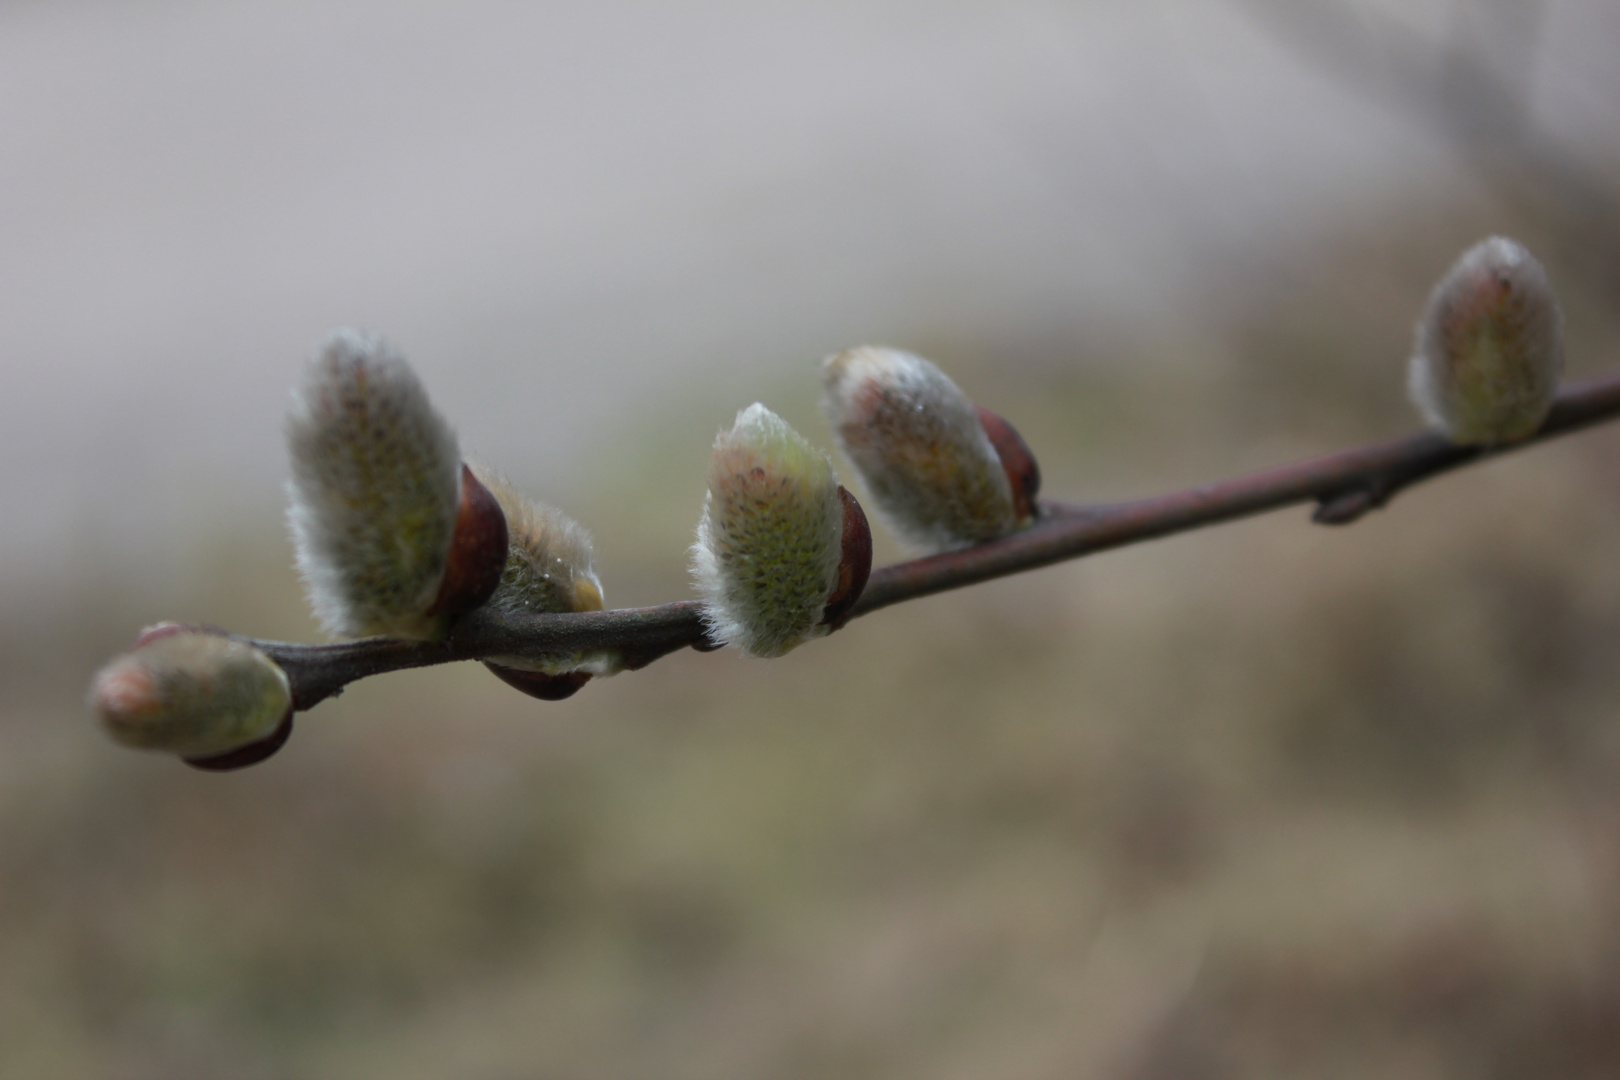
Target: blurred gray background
{"x":1266,"y":801}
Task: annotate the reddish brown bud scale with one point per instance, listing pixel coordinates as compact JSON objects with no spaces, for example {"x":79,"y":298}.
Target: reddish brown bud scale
{"x":477,"y":551}
{"x":161,"y":631}
{"x":1017,"y":461}
{"x":538,"y":684}
{"x":251,"y":754}
{"x":855,"y":565}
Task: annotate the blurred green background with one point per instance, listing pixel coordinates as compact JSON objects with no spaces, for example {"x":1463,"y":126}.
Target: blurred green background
{"x":1269,"y":800}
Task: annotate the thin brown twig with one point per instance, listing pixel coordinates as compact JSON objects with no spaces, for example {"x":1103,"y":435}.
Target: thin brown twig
{"x":1344,"y":485}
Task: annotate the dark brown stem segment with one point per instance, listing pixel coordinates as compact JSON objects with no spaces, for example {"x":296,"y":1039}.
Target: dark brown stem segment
{"x":1344,"y":486}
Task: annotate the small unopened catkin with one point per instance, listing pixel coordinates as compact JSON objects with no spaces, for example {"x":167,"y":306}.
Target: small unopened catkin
{"x":550,"y":569}
{"x":374,"y":490}
{"x":190,"y":692}
{"x":771,"y":539}
{"x":920,"y":448}
{"x":1489,"y":348}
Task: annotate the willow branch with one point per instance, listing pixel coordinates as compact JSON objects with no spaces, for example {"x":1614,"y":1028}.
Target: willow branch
{"x":1345,"y":486}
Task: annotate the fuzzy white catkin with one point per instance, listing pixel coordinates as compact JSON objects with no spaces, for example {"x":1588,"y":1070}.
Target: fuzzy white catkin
{"x":374,"y":489}
{"x":770,"y":541}
{"x":1489,"y":347}
{"x":918,"y":445}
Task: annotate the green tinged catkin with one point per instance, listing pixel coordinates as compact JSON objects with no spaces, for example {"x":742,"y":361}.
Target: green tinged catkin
{"x":190,"y":692}
{"x":374,"y":490}
{"x":550,"y":570}
{"x":770,"y":542}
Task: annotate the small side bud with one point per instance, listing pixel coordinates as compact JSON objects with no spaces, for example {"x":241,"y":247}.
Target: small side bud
{"x":944,"y":472}
{"x":549,"y":569}
{"x":393,"y":535}
{"x":782,"y":550}
{"x":214,"y":701}
{"x":1489,"y":348}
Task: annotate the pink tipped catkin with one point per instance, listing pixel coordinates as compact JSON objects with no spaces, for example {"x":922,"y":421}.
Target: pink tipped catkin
{"x":1489,"y":348}
{"x":191,"y":693}
{"x":919,"y":446}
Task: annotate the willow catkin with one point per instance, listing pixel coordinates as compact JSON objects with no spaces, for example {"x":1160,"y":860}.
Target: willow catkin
{"x":1489,"y":347}
{"x":770,"y":542}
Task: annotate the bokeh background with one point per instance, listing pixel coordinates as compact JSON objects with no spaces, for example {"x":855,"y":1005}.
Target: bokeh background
{"x":1268,"y":800}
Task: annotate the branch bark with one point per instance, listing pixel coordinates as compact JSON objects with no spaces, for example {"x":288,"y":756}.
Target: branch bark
{"x":1344,"y":485}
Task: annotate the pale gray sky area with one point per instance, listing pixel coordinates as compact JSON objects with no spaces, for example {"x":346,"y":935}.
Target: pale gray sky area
{"x":565,"y":213}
